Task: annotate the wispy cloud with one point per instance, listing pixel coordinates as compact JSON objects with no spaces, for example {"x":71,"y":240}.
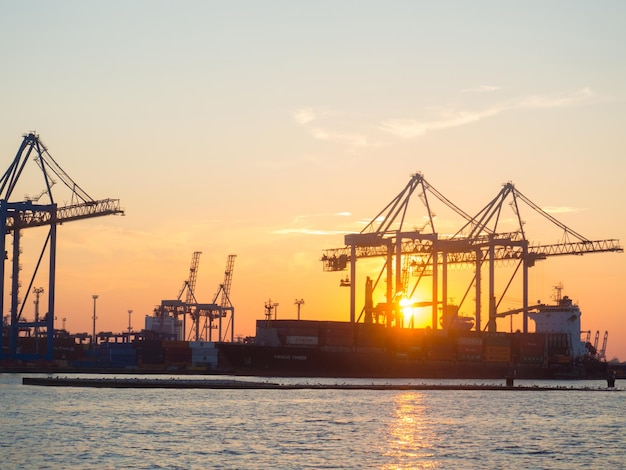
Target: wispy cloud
{"x":579,"y":97}
{"x":353,"y":140}
{"x":304,"y":115}
{"x":560,"y":210}
{"x":482,"y":89}
{"x":306,"y":231}
{"x":315,"y":224}
{"x":327,"y":125}
{"x":411,"y":128}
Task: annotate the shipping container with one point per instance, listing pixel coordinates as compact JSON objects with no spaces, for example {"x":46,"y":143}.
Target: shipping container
{"x":337,"y":341}
{"x":497,"y":354}
{"x":497,"y":339}
{"x":302,"y":340}
{"x":440,"y":348}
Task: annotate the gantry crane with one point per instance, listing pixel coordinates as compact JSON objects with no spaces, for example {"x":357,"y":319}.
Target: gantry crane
{"x":602,"y":352}
{"x":189,"y":287}
{"x":16,"y":216}
{"x":225,"y":305}
{"x":478,"y":241}
{"x":198,"y":311}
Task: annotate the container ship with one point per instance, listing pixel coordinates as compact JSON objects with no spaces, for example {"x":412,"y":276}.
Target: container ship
{"x":310,"y":348}
{"x":344,"y":349}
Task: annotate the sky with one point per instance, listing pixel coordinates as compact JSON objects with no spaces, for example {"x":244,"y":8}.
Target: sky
{"x":271,"y":129}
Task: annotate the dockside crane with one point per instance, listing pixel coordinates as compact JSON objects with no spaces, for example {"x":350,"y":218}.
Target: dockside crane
{"x":518,"y":247}
{"x":202,"y":315}
{"x":387,"y":235}
{"x":602,"y":352}
{"x":225,"y":305}
{"x":189,"y":287}
{"x":18,"y":215}
{"x":479,"y":240}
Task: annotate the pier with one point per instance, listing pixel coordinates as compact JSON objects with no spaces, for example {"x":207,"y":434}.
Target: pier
{"x":229,"y":384}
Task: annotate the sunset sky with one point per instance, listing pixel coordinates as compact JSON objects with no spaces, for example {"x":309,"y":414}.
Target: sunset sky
{"x":271,"y":129}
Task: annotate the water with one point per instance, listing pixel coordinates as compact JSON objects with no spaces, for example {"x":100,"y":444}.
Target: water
{"x":48,"y":427}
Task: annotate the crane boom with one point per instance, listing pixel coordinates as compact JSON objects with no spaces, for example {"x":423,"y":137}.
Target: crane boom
{"x":27,"y":214}
{"x":228,"y":280}
{"x":338,"y":259}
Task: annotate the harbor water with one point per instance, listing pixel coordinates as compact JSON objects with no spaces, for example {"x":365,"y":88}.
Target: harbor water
{"x":68,"y":427}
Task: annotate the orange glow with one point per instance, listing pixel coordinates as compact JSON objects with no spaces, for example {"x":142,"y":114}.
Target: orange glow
{"x":415,"y":314}
{"x":409,"y":437}
{"x":407,"y":311}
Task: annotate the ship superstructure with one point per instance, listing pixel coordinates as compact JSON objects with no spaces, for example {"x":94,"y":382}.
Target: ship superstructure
{"x":561,"y":318}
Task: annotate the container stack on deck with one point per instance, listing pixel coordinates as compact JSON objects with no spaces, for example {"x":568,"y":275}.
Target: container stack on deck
{"x":344,"y":349}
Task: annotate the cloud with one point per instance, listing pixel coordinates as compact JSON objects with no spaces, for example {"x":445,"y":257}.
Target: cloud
{"x":482,"y":89}
{"x":307,"y":224}
{"x":306,"y":231}
{"x":579,"y":97}
{"x":353,"y":140}
{"x":304,"y":116}
{"x":331,"y":119}
{"x":560,"y":210}
{"x":411,"y":128}
{"x":333,"y":126}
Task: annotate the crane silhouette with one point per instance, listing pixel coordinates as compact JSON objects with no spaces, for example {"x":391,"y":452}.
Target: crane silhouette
{"x":480,"y":241}
{"x":41,"y":211}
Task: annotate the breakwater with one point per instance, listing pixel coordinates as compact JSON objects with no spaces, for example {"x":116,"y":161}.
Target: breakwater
{"x":253,"y":385}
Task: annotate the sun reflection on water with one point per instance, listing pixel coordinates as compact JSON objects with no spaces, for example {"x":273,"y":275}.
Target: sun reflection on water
{"x":410,"y":434}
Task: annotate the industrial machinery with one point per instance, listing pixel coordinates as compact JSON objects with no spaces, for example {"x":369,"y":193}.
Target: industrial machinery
{"x":480,"y":242}
{"x":41,"y":210}
{"x":170,"y":317}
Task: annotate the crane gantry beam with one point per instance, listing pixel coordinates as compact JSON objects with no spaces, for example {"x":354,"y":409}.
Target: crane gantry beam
{"x":16,"y":216}
{"x":464,"y":251}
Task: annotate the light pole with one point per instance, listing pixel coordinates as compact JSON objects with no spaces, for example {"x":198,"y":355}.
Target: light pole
{"x":95,"y":297}
{"x":299,"y":303}
{"x":129,"y":327}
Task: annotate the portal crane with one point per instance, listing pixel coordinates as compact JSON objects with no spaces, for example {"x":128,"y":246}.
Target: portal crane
{"x":225,"y":304}
{"x":16,"y":216}
{"x":189,"y":287}
{"x":602,"y":352}
{"x":477,"y":242}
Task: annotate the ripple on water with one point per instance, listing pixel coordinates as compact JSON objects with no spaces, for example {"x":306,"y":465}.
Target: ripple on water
{"x":197,"y":429}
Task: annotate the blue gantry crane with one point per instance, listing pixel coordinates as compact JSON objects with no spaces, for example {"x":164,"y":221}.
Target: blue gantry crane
{"x":39,"y":211}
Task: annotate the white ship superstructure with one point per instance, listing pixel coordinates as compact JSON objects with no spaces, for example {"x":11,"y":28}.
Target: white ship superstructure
{"x":564,"y":318}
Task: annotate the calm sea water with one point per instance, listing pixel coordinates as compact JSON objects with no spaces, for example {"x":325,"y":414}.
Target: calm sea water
{"x":49,"y":427}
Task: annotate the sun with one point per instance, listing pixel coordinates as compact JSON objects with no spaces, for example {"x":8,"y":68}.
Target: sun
{"x":415,"y":314}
